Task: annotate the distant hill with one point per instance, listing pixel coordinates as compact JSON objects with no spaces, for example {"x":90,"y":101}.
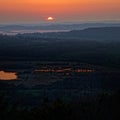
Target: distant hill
{"x":99,"y":46}
{"x":97,"y":34}
{"x":70,"y":26}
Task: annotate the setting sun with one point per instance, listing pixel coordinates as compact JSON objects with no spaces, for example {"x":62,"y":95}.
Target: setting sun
{"x":50,"y":18}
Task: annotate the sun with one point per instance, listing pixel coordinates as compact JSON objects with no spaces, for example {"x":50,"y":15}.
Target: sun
{"x":50,"y":18}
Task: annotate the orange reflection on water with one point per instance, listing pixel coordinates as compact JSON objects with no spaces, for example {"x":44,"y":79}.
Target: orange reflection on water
{"x":84,"y":71}
{"x":66,"y":70}
{"x":7,"y":75}
{"x":54,"y":70}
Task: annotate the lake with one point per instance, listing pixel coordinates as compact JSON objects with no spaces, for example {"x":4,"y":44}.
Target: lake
{"x":8,"y":75}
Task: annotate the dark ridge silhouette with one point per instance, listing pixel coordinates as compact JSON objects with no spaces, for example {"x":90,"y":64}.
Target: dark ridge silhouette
{"x":104,"y":107}
{"x":99,"y":46}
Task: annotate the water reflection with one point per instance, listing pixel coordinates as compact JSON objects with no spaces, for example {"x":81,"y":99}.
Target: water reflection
{"x":7,"y":75}
{"x":66,"y":70}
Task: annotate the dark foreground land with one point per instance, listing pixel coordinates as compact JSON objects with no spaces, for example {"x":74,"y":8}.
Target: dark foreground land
{"x":103,"y":108}
{"x":67,"y":75}
{"x":59,"y":90}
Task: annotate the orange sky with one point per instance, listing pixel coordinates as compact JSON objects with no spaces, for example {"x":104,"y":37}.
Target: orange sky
{"x":63,"y":11}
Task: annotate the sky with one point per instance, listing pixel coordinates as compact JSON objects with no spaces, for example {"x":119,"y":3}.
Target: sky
{"x":37,"y":11}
